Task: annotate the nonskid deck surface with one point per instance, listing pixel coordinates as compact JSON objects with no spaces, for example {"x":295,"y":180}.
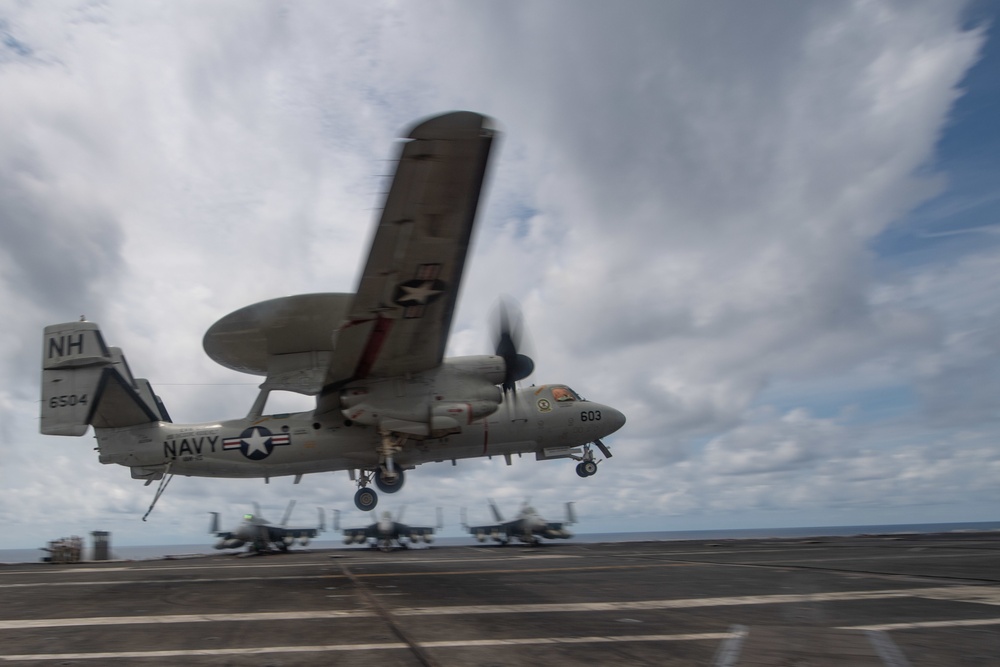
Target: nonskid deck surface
{"x":890,"y":600}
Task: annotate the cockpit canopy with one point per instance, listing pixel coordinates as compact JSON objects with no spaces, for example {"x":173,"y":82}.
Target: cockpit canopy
{"x":559,"y":393}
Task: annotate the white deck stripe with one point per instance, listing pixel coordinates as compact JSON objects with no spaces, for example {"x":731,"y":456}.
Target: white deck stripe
{"x":243,"y":564}
{"x":182,"y":618}
{"x":472,"y":643}
{"x":921,"y":625}
{"x":969,"y":594}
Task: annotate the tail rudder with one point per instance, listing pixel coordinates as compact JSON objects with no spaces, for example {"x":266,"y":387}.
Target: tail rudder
{"x":86,"y":382}
{"x":496,"y":511}
{"x":570,"y":513}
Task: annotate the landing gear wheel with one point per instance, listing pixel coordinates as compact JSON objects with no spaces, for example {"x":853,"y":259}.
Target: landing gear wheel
{"x":388,"y":483}
{"x":586,"y":468}
{"x":365,"y":499}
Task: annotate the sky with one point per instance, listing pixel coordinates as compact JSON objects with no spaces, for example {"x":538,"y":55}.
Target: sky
{"x":765,"y":231}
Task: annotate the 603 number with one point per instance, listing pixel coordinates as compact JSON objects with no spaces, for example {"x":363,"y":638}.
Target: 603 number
{"x":590,"y":416}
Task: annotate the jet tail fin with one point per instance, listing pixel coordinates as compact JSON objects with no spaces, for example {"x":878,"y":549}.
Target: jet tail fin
{"x":86,"y":382}
{"x":288,"y":513}
{"x":496,"y":511}
{"x":570,"y":513}
{"x":214,"y":527}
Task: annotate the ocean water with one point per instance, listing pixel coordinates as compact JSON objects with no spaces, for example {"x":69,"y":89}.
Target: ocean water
{"x":149,"y":552}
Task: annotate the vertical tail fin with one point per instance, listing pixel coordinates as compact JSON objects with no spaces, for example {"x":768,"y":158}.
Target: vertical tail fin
{"x":86,"y":382}
{"x":496,"y":511}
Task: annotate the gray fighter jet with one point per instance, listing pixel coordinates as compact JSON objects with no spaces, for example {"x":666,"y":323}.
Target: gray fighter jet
{"x":261,"y":535}
{"x":386,"y":533}
{"x":387,"y":400}
{"x":527,"y":527}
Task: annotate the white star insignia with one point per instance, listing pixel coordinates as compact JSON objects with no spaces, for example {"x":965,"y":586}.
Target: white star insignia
{"x":257,"y":443}
{"x":419,"y":294}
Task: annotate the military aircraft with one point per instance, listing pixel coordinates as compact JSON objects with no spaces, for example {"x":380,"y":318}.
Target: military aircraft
{"x":527,"y":527}
{"x":261,"y":534}
{"x":386,"y":398}
{"x":386,"y":533}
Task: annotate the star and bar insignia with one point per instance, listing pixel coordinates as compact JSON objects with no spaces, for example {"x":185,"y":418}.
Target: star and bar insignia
{"x":256,"y":442}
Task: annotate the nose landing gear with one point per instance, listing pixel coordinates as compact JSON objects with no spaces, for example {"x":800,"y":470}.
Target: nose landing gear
{"x":587,"y":466}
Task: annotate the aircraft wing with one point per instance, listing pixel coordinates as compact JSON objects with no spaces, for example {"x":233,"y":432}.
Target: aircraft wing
{"x":295,"y":532}
{"x":399,"y":318}
{"x":499,"y":528}
{"x":356,"y":533}
{"x":280,"y":532}
{"x":410,"y":532}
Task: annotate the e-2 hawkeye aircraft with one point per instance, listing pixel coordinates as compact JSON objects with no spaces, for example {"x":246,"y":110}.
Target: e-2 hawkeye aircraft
{"x":386,"y":398}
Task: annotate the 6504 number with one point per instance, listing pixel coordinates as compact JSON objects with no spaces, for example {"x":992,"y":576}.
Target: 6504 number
{"x":67,"y":400}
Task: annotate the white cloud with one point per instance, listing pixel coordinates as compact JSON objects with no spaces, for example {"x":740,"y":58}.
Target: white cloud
{"x":683,"y":201}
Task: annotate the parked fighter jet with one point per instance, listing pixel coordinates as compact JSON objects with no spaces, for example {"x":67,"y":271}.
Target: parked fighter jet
{"x":527,"y":527}
{"x":386,"y":398}
{"x":385,"y":533}
{"x":261,"y":534}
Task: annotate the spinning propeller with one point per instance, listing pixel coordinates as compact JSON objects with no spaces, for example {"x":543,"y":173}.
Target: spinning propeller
{"x":508,"y":339}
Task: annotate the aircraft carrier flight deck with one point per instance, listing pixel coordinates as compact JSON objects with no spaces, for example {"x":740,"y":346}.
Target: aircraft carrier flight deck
{"x":916,"y":600}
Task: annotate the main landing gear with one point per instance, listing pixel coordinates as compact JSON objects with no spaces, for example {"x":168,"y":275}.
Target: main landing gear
{"x":388,"y":477}
{"x":366,"y":499}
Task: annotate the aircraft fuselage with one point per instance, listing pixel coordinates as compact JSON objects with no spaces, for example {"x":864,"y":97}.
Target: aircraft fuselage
{"x":298,"y":443}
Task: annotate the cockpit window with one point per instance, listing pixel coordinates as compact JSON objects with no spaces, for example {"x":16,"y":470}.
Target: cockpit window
{"x":564,"y":395}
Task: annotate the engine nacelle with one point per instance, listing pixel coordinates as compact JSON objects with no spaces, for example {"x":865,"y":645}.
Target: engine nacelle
{"x":428,"y":537}
{"x":304,"y":541}
{"x":429,"y":404}
{"x":481,"y":537}
{"x":288,"y":539}
{"x":348,"y":539}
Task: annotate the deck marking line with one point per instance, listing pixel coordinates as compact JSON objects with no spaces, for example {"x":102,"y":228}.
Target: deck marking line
{"x":729,"y":649}
{"x":536,"y":641}
{"x":472,"y":643}
{"x":887,"y":650}
{"x":953,"y":593}
{"x":183,"y":618}
{"x":920,"y":625}
{"x":246,"y":565}
{"x":361,"y":575}
{"x":204,"y":580}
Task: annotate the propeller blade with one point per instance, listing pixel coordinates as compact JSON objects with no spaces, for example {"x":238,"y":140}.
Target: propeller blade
{"x":508,"y":340}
